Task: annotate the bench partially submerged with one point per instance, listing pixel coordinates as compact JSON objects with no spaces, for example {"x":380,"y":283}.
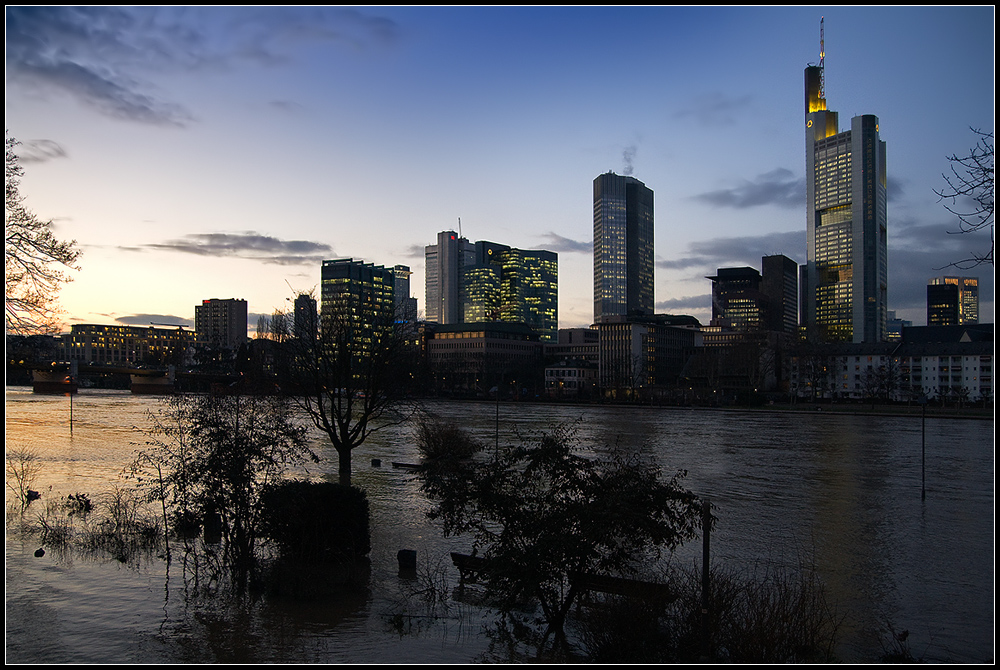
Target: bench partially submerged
{"x":471,"y":567}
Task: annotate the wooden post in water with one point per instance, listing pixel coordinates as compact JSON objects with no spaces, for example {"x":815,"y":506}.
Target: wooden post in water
{"x":706,"y":526}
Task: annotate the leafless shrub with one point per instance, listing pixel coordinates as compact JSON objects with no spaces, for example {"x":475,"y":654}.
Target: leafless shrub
{"x":22,"y":468}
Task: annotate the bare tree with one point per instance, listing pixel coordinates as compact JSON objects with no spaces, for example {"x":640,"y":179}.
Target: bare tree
{"x":32,"y":261}
{"x":352,"y":379}
{"x":970,"y":191}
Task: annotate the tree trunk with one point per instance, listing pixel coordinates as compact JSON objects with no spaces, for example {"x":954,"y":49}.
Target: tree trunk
{"x":345,"y":466}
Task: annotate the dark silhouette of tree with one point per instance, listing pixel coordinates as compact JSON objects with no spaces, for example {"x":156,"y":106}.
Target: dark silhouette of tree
{"x":32,"y":259}
{"x":210,"y":455}
{"x":352,"y":379}
{"x":541,"y":514}
{"x":971,"y":190}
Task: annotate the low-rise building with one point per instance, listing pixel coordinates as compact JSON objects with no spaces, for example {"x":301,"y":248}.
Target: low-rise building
{"x":484,"y":358}
{"x":949,"y":363}
{"x":99,"y":344}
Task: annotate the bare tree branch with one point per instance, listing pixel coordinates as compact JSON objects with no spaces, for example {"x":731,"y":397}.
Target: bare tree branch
{"x":32,"y":260}
{"x":971,"y":191}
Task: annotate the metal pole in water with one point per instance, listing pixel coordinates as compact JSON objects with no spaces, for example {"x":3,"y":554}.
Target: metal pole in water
{"x":923,"y":449}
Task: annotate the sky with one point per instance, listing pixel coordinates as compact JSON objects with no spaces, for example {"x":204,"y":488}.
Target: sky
{"x":225,"y":152}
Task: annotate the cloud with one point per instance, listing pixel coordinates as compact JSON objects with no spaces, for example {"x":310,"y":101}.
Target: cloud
{"x":249,"y":245}
{"x":707,"y":256}
{"x":715,"y":109}
{"x":778,"y":187}
{"x":104,"y":57}
{"x":415,"y":251}
{"x":39,"y":151}
{"x":164,"y":320}
{"x":561,"y":244}
{"x":688,"y":303}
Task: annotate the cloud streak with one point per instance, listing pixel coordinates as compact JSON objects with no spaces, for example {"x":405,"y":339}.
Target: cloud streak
{"x":249,"y":245}
{"x":709,"y":255}
{"x":39,"y":151}
{"x":715,"y":109}
{"x":561,"y":244}
{"x":161,"y":320}
{"x":778,"y":187}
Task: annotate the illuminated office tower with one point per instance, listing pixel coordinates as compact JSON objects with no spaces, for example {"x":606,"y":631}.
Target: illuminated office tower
{"x":623,"y":247}
{"x":952,"y":301}
{"x":737,"y":301}
{"x":529,"y":291}
{"x":358,"y":297}
{"x":845,"y":278}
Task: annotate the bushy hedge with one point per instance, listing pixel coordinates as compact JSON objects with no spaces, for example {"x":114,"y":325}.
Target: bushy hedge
{"x":317,"y":522}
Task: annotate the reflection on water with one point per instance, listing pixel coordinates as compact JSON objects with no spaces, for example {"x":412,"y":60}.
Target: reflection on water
{"x":840,"y":491}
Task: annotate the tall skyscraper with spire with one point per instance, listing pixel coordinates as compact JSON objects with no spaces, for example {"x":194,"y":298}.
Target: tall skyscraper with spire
{"x":623,"y":247}
{"x":844,"y":291}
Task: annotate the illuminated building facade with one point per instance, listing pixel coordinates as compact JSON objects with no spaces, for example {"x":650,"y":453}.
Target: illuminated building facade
{"x":952,"y":301}
{"x":737,"y":299}
{"x":490,"y":282}
{"x":358,"y":296}
{"x":127,"y":345}
{"x":221,"y":323}
{"x":623,"y":247}
{"x":529,"y":291}
{"x":845,"y":277}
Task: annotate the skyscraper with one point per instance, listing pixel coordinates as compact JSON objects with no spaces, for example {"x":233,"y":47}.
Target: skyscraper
{"x":306,"y":319}
{"x":356,"y":299}
{"x":623,"y":247}
{"x":444,"y":264}
{"x":780,"y":286}
{"x":737,"y":301}
{"x":952,"y":301}
{"x":529,"y":291}
{"x":221,"y":323}
{"x":845,"y":277}
{"x":489,"y":282}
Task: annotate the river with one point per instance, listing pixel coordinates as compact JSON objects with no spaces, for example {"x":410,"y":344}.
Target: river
{"x":841,"y":491}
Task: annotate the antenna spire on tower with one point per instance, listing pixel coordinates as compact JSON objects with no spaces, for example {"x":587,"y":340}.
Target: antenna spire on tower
{"x":822,"y":57}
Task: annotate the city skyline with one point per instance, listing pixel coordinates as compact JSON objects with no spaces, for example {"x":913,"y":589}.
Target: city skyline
{"x":198,"y":153}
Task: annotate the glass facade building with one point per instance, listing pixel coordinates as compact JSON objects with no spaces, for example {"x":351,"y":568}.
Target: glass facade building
{"x":952,"y":301}
{"x":486,"y":282}
{"x":358,"y":297}
{"x":623,"y":247}
{"x":844,"y":291}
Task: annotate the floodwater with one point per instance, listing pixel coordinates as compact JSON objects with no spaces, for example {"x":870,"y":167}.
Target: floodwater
{"x":839,"y":491}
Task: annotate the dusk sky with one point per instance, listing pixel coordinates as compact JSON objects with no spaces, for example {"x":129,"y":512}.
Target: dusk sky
{"x":201,"y":153}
